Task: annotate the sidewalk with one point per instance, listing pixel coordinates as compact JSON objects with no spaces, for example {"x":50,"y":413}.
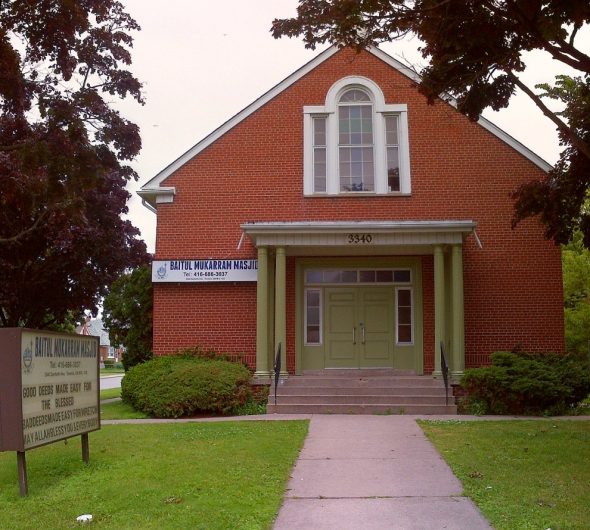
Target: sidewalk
{"x":372,"y":473}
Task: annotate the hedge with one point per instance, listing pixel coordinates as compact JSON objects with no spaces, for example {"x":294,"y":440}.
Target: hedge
{"x":527,"y":383}
{"x":186,"y":385}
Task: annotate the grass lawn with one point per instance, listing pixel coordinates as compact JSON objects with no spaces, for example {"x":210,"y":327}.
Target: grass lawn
{"x":110,"y":393}
{"x":111,"y":371}
{"x":229,"y":475}
{"x":120,"y":411}
{"x":522,"y":474}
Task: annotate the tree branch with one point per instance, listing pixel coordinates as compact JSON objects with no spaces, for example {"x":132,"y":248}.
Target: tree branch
{"x":15,"y":238}
{"x":576,"y":141}
{"x":564,"y":52}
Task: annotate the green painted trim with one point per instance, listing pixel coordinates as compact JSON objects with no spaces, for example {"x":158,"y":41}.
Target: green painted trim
{"x":281,"y":306}
{"x":418,"y":317}
{"x":271,"y":309}
{"x":439,"y":304}
{"x":262,"y":366}
{"x":458,"y":362}
{"x":299,"y":320}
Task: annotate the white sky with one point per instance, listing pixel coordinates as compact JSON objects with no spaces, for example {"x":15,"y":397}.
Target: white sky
{"x":201,"y":62}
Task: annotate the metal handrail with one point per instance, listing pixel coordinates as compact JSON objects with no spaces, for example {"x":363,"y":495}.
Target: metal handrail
{"x":277,"y":369}
{"x":444,"y":366}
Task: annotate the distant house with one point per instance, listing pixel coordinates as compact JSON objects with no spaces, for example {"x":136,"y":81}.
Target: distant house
{"x":343,"y":219}
{"x":95,"y":328}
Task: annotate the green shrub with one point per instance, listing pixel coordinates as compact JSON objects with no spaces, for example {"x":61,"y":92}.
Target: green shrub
{"x":185,"y":385}
{"x":528,"y":383}
{"x":201,"y":353}
{"x":256,"y":404}
{"x":109,"y":363}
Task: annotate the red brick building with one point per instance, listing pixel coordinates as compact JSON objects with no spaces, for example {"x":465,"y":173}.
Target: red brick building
{"x":381,"y":226}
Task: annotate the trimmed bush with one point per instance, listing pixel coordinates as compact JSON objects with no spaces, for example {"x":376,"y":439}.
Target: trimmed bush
{"x":185,"y":385}
{"x":109,"y":363}
{"x":527,"y":383}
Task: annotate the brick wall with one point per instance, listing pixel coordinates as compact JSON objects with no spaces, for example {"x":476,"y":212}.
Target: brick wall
{"x":459,"y":170}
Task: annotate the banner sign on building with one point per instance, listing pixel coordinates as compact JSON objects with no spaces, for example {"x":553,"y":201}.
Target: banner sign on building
{"x":205,"y":270}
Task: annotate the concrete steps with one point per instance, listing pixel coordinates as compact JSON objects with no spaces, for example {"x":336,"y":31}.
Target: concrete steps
{"x":360,"y":392}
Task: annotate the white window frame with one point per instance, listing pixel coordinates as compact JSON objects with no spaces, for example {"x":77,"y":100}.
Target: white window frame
{"x":397,"y":342}
{"x":380,"y":110}
{"x":321,"y":311}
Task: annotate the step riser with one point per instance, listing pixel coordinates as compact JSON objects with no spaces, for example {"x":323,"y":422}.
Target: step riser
{"x":360,"y":400}
{"x":360,"y":382}
{"x":356,"y":372}
{"x":361,"y":409}
{"x":360,"y":392}
{"x":375,"y":391}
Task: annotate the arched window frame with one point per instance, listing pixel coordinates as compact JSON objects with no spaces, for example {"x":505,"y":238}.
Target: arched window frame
{"x":381,"y":110}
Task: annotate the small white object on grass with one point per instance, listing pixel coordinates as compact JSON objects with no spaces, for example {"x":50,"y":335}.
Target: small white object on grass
{"x":86,"y":518}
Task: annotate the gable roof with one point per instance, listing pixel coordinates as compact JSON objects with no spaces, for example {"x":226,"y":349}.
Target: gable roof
{"x":152,"y":191}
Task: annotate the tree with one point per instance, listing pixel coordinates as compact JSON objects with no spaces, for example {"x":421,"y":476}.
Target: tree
{"x":63,"y":157}
{"x":475,"y":51}
{"x":127,"y":315}
{"x":576,"y":291}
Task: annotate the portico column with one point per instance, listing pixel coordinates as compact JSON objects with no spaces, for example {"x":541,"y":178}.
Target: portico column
{"x":439,"y":305}
{"x":262,"y":369}
{"x":281,"y":307}
{"x":458,"y":353}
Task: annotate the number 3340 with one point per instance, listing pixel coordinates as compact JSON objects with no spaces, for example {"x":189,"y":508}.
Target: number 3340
{"x":358,"y":239}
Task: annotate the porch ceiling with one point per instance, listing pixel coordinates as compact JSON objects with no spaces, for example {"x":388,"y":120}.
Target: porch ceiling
{"x":365,"y":238}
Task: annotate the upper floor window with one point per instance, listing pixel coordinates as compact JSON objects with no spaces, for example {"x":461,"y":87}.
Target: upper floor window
{"x":356,"y":143}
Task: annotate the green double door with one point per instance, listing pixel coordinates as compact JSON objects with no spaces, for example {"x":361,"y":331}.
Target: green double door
{"x":359,"y":327}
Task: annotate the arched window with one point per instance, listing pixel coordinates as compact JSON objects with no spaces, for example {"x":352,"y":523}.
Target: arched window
{"x":356,"y":143}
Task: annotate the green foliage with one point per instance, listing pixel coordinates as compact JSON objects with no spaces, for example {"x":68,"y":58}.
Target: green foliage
{"x":128,"y":310}
{"x":182,"y":385}
{"x":576,"y":291}
{"x":109,"y":363}
{"x":256,"y":404}
{"x":202,"y":353}
{"x":527,"y":383}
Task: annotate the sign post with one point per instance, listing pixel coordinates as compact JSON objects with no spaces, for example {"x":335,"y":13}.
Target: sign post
{"x":49,"y":391}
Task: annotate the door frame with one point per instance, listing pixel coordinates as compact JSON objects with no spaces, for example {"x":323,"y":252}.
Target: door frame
{"x":304,"y":354}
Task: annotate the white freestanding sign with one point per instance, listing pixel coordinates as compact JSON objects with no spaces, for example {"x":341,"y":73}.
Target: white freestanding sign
{"x":49,"y":391}
{"x":59,"y":386}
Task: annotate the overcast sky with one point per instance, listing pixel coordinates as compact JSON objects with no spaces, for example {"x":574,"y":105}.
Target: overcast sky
{"x":202,"y":62}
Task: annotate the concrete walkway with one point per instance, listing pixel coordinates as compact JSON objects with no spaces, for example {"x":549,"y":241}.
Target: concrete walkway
{"x":371,"y":473}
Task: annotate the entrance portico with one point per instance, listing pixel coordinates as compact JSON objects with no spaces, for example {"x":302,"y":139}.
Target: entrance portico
{"x":350,"y":310}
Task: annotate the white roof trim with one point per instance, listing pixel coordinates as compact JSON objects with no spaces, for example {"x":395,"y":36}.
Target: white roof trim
{"x":306,"y":227}
{"x":156,"y":181}
{"x":485,"y":123}
{"x":383,"y":236}
{"x":240,"y":116}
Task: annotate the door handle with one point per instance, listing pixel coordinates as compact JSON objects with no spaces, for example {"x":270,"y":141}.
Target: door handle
{"x":354,"y":335}
{"x":363,"y":328}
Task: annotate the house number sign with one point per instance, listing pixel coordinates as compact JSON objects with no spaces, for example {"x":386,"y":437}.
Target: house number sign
{"x":359,"y":239}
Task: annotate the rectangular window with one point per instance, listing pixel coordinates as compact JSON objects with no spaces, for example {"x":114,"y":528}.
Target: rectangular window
{"x":392,"y":147}
{"x":319,"y":154}
{"x":313,"y":317}
{"x":402,"y":276}
{"x":315,"y":276}
{"x":356,"y":148}
{"x":404,"y":327}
